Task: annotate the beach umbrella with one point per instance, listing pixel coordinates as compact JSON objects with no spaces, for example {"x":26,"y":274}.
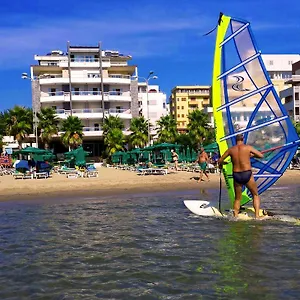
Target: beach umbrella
{"x":213,"y":147}
{"x":166,"y":146}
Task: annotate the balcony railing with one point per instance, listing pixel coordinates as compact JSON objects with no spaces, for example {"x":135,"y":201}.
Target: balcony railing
{"x":92,"y":129}
{"x":94,"y":111}
{"x":89,"y":75}
{"x":87,"y":93}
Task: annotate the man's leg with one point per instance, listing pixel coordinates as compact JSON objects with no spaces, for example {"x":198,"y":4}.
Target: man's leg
{"x":238,"y":198}
{"x":251,"y":185}
{"x":206,"y":174}
{"x":200,"y":175}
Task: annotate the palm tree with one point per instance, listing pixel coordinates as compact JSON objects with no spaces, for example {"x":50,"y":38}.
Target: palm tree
{"x":72,"y":136}
{"x":19,"y":121}
{"x":297,"y":127}
{"x":139,"y":135}
{"x":167,"y":131}
{"x":111,"y":122}
{"x":48,"y":125}
{"x":198,"y":126}
{"x":3,"y":124}
{"x":114,"y":141}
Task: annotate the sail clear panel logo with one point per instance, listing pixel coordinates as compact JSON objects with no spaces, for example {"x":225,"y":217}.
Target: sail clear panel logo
{"x":238,"y":86}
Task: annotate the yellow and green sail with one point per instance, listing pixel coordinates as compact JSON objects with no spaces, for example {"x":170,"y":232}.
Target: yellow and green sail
{"x":241,"y":87}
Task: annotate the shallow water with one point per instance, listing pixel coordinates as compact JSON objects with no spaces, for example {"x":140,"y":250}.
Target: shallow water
{"x":146,"y":246}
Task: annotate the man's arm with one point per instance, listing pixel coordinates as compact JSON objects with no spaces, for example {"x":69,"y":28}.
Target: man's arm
{"x":256,"y":153}
{"x":224,"y":156}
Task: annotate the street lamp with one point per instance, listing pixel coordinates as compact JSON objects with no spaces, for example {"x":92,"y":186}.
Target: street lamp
{"x":146,"y":79}
{"x":35,"y":119}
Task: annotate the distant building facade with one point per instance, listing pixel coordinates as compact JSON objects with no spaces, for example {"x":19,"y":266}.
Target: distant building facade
{"x":185,"y":99}
{"x":279,"y":67}
{"x":291,"y":95}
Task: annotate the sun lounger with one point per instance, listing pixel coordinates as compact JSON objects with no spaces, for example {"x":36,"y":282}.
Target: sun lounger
{"x":152,"y":171}
{"x":72,"y":175}
{"x":41,"y":175}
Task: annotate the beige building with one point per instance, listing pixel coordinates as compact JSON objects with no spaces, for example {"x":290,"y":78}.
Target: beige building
{"x":279,"y":67}
{"x":185,"y":99}
{"x":291,"y":95}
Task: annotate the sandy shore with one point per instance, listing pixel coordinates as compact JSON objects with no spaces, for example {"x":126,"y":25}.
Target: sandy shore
{"x":112,"y":181}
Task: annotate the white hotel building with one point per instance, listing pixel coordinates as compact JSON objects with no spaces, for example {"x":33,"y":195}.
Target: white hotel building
{"x":81,"y":84}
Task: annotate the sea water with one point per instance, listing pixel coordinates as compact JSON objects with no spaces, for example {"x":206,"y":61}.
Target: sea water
{"x":147,"y":246}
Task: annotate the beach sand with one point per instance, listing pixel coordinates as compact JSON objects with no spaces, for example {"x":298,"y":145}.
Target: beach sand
{"x":112,"y":182}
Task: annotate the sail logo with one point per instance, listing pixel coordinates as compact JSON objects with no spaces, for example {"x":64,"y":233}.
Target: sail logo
{"x":238,"y":85}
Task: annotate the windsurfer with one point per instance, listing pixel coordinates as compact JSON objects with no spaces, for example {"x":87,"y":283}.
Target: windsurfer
{"x":242,"y":174}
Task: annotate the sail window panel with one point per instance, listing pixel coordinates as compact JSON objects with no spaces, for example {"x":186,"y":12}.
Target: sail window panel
{"x":282,"y":161}
{"x":266,"y":137}
{"x":243,"y":43}
{"x":239,"y":85}
{"x":230,"y":57}
{"x":274,"y":104}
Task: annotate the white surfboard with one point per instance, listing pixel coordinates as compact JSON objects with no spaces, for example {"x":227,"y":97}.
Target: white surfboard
{"x":210,"y":209}
{"x":203,"y":208}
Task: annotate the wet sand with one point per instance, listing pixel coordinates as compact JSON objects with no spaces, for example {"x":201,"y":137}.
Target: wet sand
{"x":113,"y":182}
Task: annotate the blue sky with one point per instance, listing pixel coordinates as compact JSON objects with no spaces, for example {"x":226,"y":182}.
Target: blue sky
{"x":160,"y":35}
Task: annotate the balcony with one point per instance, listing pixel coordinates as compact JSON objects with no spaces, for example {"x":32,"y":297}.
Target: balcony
{"x":94,"y":113}
{"x":92,"y":131}
{"x":61,"y":96}
{"x":86,"y":62}
{"x":294,"y":80}
{"x":85,"y":78}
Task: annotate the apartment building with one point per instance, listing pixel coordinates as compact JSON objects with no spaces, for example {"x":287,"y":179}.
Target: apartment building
{"x":185,"y":99}
{"x":291,"y":95}
{"x":279,"y":67}
{"x":152,"y":105}
{"x":91,"y":84}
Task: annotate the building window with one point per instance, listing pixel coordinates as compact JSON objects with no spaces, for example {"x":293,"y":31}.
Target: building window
{"x":183,"y":99}
{"x":296,"y":96}
{"x":178,"y":116}
{"x":182,"y":115}
{"x":271,"y":62}
{"x":290,"y":62}
{"x":297,"y":111}
{"x":182,"y":107}
{"x":178,"y":107}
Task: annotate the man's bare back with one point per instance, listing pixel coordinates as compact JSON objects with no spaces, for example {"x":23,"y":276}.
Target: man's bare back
{"x":240,"y":157}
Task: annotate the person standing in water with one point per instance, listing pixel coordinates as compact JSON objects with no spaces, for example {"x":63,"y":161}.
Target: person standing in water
{"x":202,"y":160}
{"x":242,"y":174}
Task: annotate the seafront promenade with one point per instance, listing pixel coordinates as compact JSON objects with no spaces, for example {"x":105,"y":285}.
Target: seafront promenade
{"x":113,"y":181}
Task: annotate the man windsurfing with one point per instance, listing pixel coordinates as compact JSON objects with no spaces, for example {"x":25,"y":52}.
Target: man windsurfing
{"x":242,"y":174}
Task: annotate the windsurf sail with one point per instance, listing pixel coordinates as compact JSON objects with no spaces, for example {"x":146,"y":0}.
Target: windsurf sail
{"x":241,"y":87}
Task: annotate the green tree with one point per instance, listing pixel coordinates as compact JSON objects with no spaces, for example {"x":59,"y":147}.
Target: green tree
{"x":114,"y":141}
{"x":72,"y":128}
{"x":114,"y":138}
{"x":297,"y":127}
{"x":48,"y":125}
{"x":19,"y":121}
{"x":112,"y":122}
{"x":3,"y":123}
{"x":167,"y":129}
{"x":198,"y":127}
{"x":139,"y":135}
